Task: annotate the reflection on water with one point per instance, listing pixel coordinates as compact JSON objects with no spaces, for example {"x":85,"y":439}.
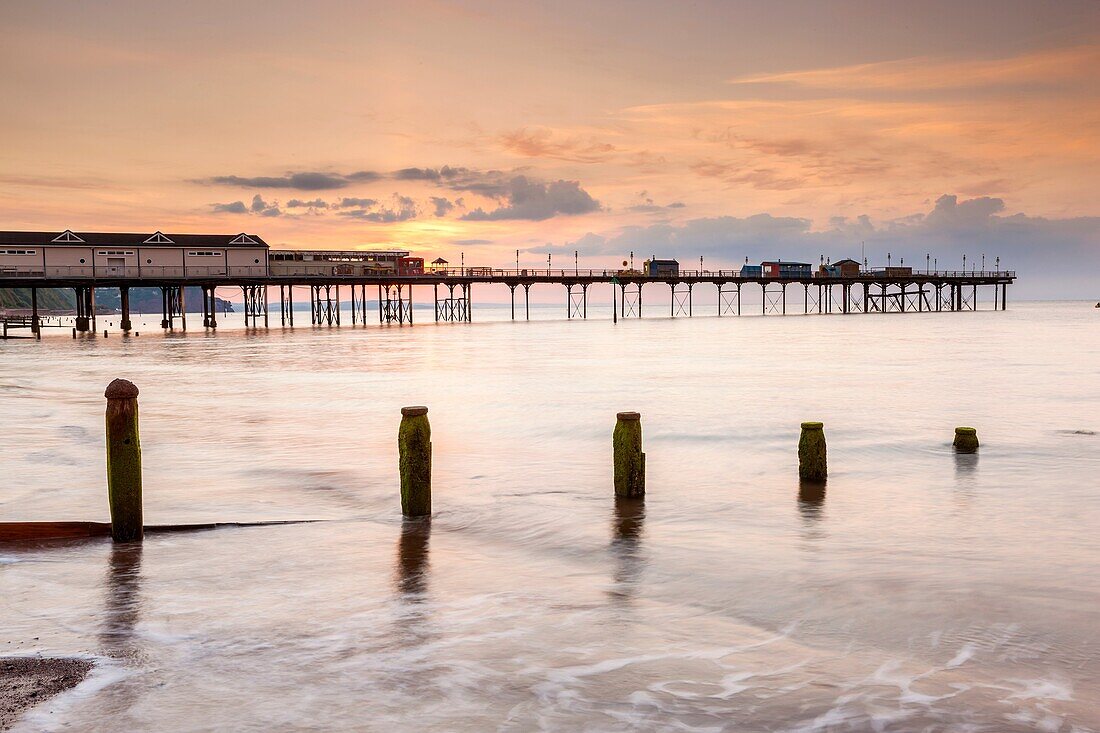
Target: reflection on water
{"x":966,"y":463}
{"x":122,"y":604}
{"x":811,"y":508}
{"x":731,"y":612}
{"x":410,"y":577}
{"x":627,"y":525}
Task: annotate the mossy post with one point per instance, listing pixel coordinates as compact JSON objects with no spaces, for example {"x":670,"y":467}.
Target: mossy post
{"x":966,"y":440}
{"x":123,"y":461}
{"x":414,"y":443}
{"x":812,"y":461}
{"x":629,"y":459}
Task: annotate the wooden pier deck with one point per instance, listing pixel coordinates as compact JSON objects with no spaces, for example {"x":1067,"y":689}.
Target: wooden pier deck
{"x":872,"y":291}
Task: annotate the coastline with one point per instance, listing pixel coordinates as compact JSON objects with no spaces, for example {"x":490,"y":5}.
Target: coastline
{"x":29,"y":681}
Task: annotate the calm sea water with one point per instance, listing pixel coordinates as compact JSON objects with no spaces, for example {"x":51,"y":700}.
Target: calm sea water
{"x":919,"y":591}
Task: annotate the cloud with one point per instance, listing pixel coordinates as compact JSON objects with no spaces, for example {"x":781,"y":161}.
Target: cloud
{"x":235,"y":207}
{"x":471,"y":242}
{"x":258,"y":206}
{"x":355,"y":203}
{"x":442,"y":205}
{"x":1040,"y":67}
{"x":314,"y":204}
{"x":649,"y":207}
{"x":261,"y":207}
{"x":299,"y":181}
{"x":535,"y":201}
{"x":416,"y":174}
{"x":403,"y":209}
{"x":541,"y":143}
{"x":1052,"y":257}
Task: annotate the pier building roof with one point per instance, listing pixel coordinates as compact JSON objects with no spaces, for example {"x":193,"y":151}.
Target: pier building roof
{"x":69,"y":238}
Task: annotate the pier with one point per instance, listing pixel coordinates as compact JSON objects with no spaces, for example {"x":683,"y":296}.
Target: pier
{"x":85,"y":263}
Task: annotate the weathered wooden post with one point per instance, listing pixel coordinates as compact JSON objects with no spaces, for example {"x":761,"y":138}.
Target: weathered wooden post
{"x":124,"y":461}
{"x":629,"y":459}
{"x":414,"y":443}
{"x":812,"y":463}
{"x":966,"y":440}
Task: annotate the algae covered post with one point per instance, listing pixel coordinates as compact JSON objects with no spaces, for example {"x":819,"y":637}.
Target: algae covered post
{"x":966,"y":440}
{"x":414,"y":442}
{"x":629,"y":459}
{"x":812,"y":460}
{"x":123,"y":461}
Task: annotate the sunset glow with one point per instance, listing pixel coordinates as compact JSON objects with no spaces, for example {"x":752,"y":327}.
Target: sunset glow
{"x":444,"y":128}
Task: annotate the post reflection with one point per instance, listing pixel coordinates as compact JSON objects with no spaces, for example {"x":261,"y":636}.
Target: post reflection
{"x":811,"y":506}
{"x":627,"y":526}
{"x":966,"y":477}
{"x":966,"y":464}
{"x":410,"y":578}
{"x":122,"y":606}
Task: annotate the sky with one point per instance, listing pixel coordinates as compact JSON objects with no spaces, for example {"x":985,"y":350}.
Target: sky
{"x":767,"y":130}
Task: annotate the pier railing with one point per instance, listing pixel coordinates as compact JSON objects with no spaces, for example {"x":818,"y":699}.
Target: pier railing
{"x":285,"y":270}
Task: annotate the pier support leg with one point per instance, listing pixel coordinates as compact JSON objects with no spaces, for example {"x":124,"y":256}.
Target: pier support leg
{"x":36,"y":326}
{"x":91,"y":308}
{"x":123,"y":461}
{"x":628,"y":456}
{"x":124,"y":299}
{"x":414,"y":443}
{"x":812,"y":462}
{"x":1004,"y":295}
{"x":527,"y":301}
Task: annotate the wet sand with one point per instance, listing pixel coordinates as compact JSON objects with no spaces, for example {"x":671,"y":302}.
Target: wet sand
{"x":28,"y":681}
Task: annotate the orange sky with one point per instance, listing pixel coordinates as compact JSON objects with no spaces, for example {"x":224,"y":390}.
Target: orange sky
{"x":575,"y":125}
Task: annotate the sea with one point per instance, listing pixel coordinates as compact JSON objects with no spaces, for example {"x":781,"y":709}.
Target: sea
{"x":917,"y":590}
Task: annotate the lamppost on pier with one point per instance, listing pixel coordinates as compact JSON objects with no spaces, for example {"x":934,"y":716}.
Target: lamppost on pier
{"x":517,"y":260}
{"x":548,"y":264}
{"x":700,"y":264}
{"x":576,"y":263}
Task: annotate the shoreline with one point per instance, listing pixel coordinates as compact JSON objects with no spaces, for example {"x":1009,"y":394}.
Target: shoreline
{"x":29,"y":681}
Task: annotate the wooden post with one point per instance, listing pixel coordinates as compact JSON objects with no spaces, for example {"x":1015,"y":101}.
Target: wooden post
{"x":629,"y":458}
{"x":414,"y":443}
{"x":812,"y":463}
{"x":123,"y":461}
{"x":966,"y":440}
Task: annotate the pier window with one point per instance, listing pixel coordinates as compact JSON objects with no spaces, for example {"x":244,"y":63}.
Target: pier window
{"x":17,"y":251}
{"x":204,"y":253}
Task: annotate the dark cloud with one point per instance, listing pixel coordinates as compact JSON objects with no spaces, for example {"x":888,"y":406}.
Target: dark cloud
{"x":536,"y":201}
{"x":308,"y":181}
{"x":354,"y":203}
{"x":442,"y":205}
{"x":236,"y":207}
{"x":314,"y":204}
{"x":263,"y":208}
{"x":258,"y":206}
{"x":364,"y":176}
{"x":416,"y":174}
{"x":403,"y":209}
